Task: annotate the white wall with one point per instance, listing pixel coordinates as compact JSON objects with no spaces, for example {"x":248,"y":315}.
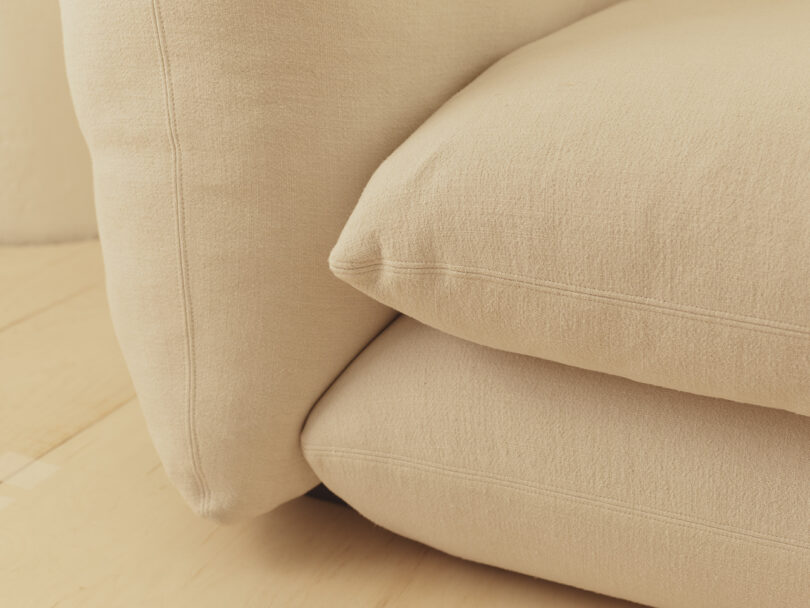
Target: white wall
{"x":45,"y":180}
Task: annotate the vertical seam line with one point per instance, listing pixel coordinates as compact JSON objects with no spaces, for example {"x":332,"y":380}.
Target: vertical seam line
{"x":182,"y":255}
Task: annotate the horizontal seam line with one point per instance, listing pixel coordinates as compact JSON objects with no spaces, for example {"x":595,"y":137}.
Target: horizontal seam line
{"x":58,"y":302}
{"x":578,"y":291}
{"x":52,"y":448}
{"x":593,"y":500}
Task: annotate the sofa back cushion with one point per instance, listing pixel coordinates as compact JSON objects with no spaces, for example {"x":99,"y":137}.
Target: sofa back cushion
{"x":629,"y":195}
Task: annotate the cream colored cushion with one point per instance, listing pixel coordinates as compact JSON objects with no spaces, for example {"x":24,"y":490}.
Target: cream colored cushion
{"x":629,"y":195}
{"x":230,"y":140}
{"x":656,"y":496}
{"x":46,"y":190}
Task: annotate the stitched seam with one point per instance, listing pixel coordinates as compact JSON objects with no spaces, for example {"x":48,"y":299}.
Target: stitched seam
{"x":620,"y":299}
{"x":707,"y":319}
{"x":600,"y":502}
{"x":182,"y":256}
{"x":552,"y":489}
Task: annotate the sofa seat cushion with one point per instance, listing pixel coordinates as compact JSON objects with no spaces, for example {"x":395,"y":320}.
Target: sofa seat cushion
{"x":629,"y":195}
{"x":634,"y":491}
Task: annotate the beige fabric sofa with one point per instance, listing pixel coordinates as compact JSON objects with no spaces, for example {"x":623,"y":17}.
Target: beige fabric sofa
{"x":230,"y":142}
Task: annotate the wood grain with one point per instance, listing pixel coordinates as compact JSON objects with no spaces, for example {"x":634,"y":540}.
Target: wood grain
{"x":32,"y":278}
{"x":60,"y":368}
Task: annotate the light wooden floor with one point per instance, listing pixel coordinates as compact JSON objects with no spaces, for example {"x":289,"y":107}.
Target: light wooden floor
{"x":87,"y":517}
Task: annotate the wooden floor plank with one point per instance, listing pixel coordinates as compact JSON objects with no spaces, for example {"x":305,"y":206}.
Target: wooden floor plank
{"x":32,"y":278}
{"x":60,"y":370}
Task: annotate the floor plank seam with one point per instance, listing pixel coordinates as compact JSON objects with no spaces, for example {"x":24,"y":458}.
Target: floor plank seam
{"x":38,"y":458}
{"x":58,"y":302}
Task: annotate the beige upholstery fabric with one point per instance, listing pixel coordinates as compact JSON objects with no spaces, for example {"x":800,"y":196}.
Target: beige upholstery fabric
{"x":45,"y":184}
{"x":629,"y":195}
{"x":230,"y":141}
{"x":664,"y":498}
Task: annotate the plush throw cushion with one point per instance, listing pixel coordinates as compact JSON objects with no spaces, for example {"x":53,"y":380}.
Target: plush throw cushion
{"x":663,"y":498}
{"x":629,"y":195}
